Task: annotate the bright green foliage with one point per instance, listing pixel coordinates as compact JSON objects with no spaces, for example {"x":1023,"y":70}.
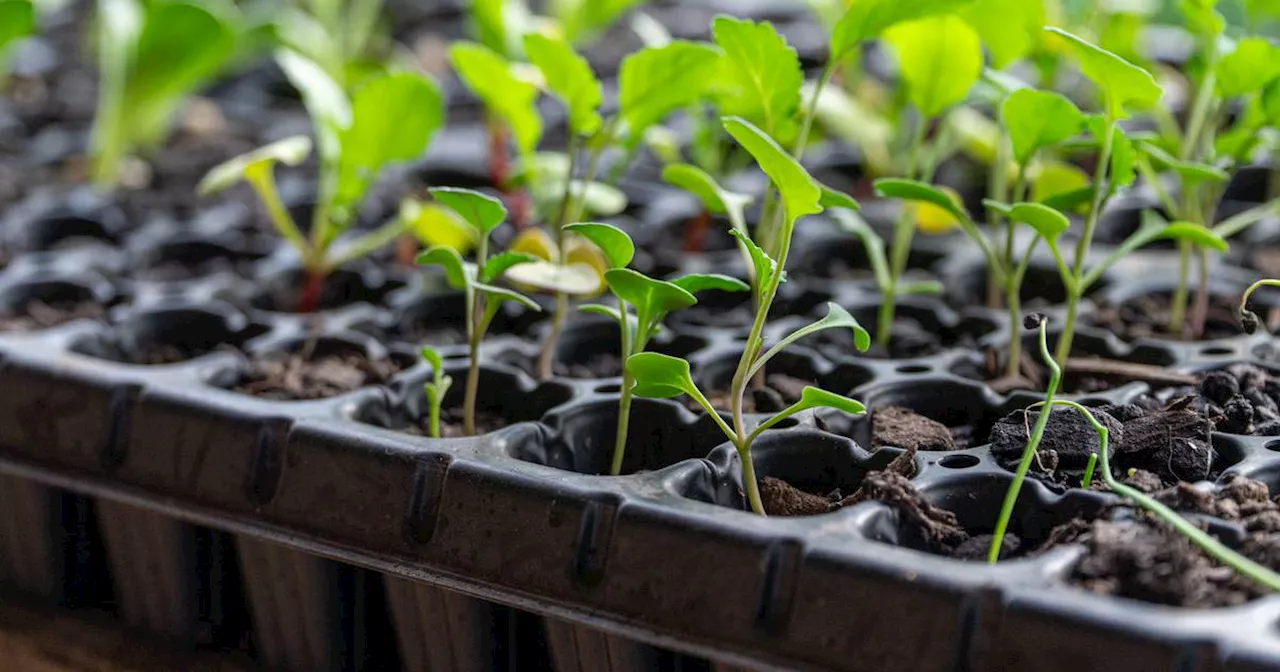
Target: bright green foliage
{"x":17,"y":20}
{"x":1046,"y":221}
{"x":801,"y":195}
{"x":483,"y":213}
{"x":1203,"y":17}
{"x":151,"y":56}
{"x":341,"y":36}
{"x":612,"y":241}
{"x":940,"y":59}
{"x":764,"y":72}
{"x":1121,"y":82}
{"x":866,"y":19}
{"x":507,"y":97}
{"x":1254,"y":64}
{"x":1037,"y":119}
{"x":1010,"y":29}
{"x":915,"y":190}
{"x":570,"y":78}
{"x":656,"y":81}
{"x":436,"y":389}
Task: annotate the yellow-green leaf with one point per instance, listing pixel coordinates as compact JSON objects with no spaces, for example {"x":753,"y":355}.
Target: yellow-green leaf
{"x":939,"y":58}
{"x":570,"y":78}
{"x":506,"y":96}
{"x":1122,"y":83}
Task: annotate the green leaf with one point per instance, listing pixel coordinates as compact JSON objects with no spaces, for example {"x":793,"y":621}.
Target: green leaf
{"x":1253,"y":65}
{"x":617,"y":246}
{"x":582,"y":18}
{"x":497,"y":265}
{"x":715,"y":198}
{"x":1010,"y":29}
{"x":1038,"y":119}
{"x":325,"y":101}
{"x":657,"y":81}
{"x":1124,"y":156}
{"x":290,"y":151}
{"x":939,"y":58}
{"x":1003,"y":209}
{"x":493,"y":293}
{"x":1203,"y":17}
{"x":801,"y":195}
{"x":811,"y":398}
{"x":447,"y":258}
{"x":1190,"y":171}
{"x":393,"y":119}
{"x":866,"y":19}
{"x":1121,"y":82}
{"x":649,"y":296}
{"x":484,"y":213}
{"x":506,"y":96}
{"x":836,"y":318}
{"x":763,"y":74}
{"x":660,"y":376}
{"x":706,"y":282}
{"x":598,"y":309}
{"x":764,"y":265}
{"x":17,"y":20}
{"x":570,"y":78}
{"x":834,"y":198}
{"x":489,"y":23}
{"x":920,"y":192}
{"x":1199,"y":236}
{"x":571,"y":279}
{"x":1046,"y":221}
{"x":433,"y":224}
{"x":433,"y":357}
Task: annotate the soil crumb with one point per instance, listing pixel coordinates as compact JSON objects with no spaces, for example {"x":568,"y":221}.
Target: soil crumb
{"x":1148,"y":317}
{"x":783,"y":499}
{"x":903,"y":428}
{"x":293,"y":377}
{"x":938,"y":527}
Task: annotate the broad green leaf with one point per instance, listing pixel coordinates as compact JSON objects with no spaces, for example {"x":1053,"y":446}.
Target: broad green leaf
{"x":654,"y":298}
{"x":484,"y":213}
{"x":715,"y":198}
{"x":433,"y":358}
{"x":511,"y":99}
{"x":290,"y":151}
{"x":660,"y":376}
{"x":493,"y":293}
{"x":614,"y":242}
{"x":1197,"y":235}
{"x":1052,"y":181}
{"x":763,"y":71}
{"x":1046,"y":221}
{"x":1038,"y":119}
{"x":327,"y":104}
{"x":489,"y":24}
{"x":836,"y":318}
{"x":17,"y":20}
{"x":801,"y":195}
{"x":570,"y":78}
{"x":810,"y":398}
{"x":866,"y":19}
{"x":919,"y":192}
{"x":1010,"y":29}
{"x":1203,"y":17}
{"x":657,"y":81}
{"x":572,"y":279}
{"x":764,"y":265}
{"x":393,"y":119}
{"x":497,"y":265}
{"x":436,"y":225}
{"x":706,"y":282}
{"x":1121,"y":82}
{"x":1190,"y":171}
{"x":939,"y":58}
{"x":834,"y":198}
{"x":447,"y":258}
{"x":1253,"y":65}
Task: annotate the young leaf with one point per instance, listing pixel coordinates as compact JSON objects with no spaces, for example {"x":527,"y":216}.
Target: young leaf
{"x":866,"y":19}
{"x":920,"y":192}
{"x":447,"y":258}
{"x":393,"y":119}
{"x":17,"y":19}
{"x":1121,"y":82}
{"x":599,"y":309}
{"x":1253,"y":64}
{"x":716,"y":199}
{"x":656,"y":81}
{"x":833,"y":198}
{"x":810,"y":398}
{"x":1190,"y":171}
{"x":325,"y":101}
{"x":653,"y":297}
{"x":801,"y":195}
{"x":484,"y":213}
{"x":573,"y":279}
{"x":434,"y":224}
{"x":1010,"y":29}
{"x":433,"y":358}
{"x":290,"y":151}
{"x":836,"y":318}
{"x":764,"y":73}
{"x":1003,"y":209}
{"x":611,"y":240}
{"x":1038,"y":119}
{"x":497,"y":265}
{"x":705,"y":282}
{"x":1203,"y":17}
{"x":764,"y":265}
{"x":506,"y":96}
{"x":1197,"y":235}
{"x":493,"y":293}
{"x":570,"y":78}
{"x":939,"y":58}
{"x":1046,"y":221}
{"x":660,"y":376}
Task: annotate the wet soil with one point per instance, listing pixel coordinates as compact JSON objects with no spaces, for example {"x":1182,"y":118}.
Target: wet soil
{"x":779,"y":392}
{"x":295,"y":377}
{"x":1148,"y":317}
{"x":39,"y":315}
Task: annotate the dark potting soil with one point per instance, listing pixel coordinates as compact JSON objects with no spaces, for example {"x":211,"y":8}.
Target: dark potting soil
{"x":779,"y":392}
{"x":39,"y":315}
{"x":1083,"y":375}
{"x":452,"y":425}
{"x":1148,"y":317}
{"x":911,"y":340}
{"x":1240,"y":399}
{"x":903,"y":428}
{"x":295,"y":377}
{"x":595,"y":366}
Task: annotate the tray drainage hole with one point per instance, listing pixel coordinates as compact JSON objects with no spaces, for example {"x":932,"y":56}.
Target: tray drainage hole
{"x":1273,"y":446}
{"x":913,"y":369}
{"x":966,"y":461}
{"x":609,"y":389}
{"x":1218,"y":351}
{"x":455,"y":355}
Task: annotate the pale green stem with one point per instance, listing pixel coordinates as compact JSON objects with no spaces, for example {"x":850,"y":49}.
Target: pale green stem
{"x":476,"y":309}
{"x":1101,"y":191}
{"x":903,"y":232}
{"x":624,"y":403}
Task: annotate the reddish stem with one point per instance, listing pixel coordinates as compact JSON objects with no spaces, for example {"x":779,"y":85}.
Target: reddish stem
{"x":407,"y":251}
{"x":500,"y":174}
{"x":311,"y":293}
{"x":695,"y":232}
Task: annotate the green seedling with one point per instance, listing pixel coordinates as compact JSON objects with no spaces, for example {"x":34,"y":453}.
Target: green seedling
{"x":391,"y":119}
{"x":1249,"y":320}
{"x":151,"y":57}
{"x":341,"y":36}
{"x":643,"y":304}
{"x":1207,"y":543}
{"x":436,"y":389}
{"x":17,"y":20}
{"x":1087,"y":482}
{"x":476,"y":279}
{"x":661,"y":376}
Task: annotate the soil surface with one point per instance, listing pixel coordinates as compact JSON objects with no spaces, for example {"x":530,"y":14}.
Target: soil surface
{"x":1148,"y":317}
{"x":452,"y":423}
{"x":903,"y":428}
{"x":598,"y":365}
{"x":780,"y":391}
{"x":295,"y":377}
{"x":39,"y":315}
